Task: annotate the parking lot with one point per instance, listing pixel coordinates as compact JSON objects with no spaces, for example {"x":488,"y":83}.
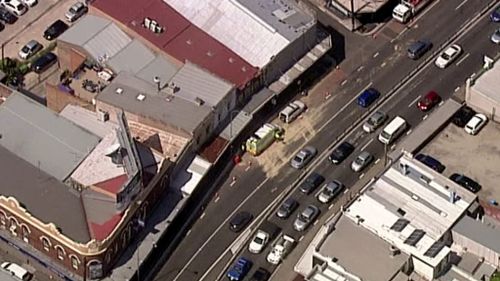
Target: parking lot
{"x":478,"y":157}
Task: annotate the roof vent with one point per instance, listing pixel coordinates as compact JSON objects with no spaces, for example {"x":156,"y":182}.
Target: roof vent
{"x":172,"y":88}
{"x":210,"y":54}
{"x":231,"y":60}
{"x":198,"y":101}
{"x":244,"y":69}
{"x":189,"y":42}
{"x":152,"y":25}
{"x":119,"y":91}
{"x":141,"y":97}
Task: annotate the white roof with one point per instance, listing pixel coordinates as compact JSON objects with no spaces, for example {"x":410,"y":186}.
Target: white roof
{"x":423,"y":196}
{"x":264,"y":130}
{"x":488,"y":84}
{"x":197,"y":169}
{"x":235,"y":26}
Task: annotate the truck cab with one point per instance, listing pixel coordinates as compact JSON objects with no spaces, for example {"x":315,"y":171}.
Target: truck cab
{"x":281,"y":249}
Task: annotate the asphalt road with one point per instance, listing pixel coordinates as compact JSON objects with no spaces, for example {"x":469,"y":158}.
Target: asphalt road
{"x":209,"y":237}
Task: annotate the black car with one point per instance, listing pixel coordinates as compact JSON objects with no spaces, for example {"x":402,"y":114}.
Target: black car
{"x":55,"y":29}
{"x":261,"y":275}
{"x":430,"y":162}
{"x":43,"y":62}
{"x":341,"y":152}
{"x":287,"y":208}
{"x":462,"y":116}
{"x":466,"y":182}
{"x":239,"y":221}
{"x":7,"y":16}
{"x":311,"y":183}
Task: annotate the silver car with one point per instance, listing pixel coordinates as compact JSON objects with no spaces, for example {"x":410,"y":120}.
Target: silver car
{"x":303,"y":157}
{"x":363,"y":159}
{"x":31,"y":48}
{"x":495,"y":37}
{"x":329,"y":191}
{"x":76,"y":11}
{"x":376,"y":120}
{"x":305,"y":218}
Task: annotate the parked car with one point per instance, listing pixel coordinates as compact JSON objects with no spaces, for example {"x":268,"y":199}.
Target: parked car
{"x":495,"y":37}
{"x":31,"y":48}
{"x":261,"y":274}
{"x":362,"y":161}
{"x":466,"y":182}
{"x":448,"y":56}
{"x":462,"y":116}
{"x":305,"y":218}
{"x":14,"y":6}
{"x":428,"y":101}
{"x":76,"y":11}
{"x":30,"y":3}
{"x":367,"y":97}
{"x":287,"y":208}
{"x":240,"y":269}
{"x":7,"y":16}
{"x":2,"y":27}
{"x":311,"y":183}
{"x":340,"y":153}
{"x":330,"y":191}
{"x":495,"y":15}
{"x":240,"y":221}
{"x":417,"y":49}
{"x":44,"y":62}
{"x":55,"y":29}
{"x":374,"y":122}
{"x":258,"y":242}
{"x":476,"y":123}
{"x":430,"y":162}
{"x":281,"y":249}
{"x":16,"y":271}
{"x":303,"y":157}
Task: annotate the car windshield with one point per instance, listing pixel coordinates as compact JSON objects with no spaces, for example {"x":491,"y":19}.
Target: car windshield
{"x":298,"y":158}
{"x":73,"y":10}
{"x":25,"y":49}
{"x":445,"y":56}
{"x":258,"y":240}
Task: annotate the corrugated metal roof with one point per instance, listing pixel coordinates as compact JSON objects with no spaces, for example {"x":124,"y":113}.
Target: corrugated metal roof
{"x":107,"y":43}
{"x":84,"y":30}
{"x":39,"y":136}
{"x":479,"y":232}
{"x":195,"y":82}
{"x":131,"y":58}
{"x":160,"y":67}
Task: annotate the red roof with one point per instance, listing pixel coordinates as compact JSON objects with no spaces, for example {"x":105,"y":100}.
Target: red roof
{"x":113,"y":185}
{"x":102,"y":231}
{"x":180,"y":39}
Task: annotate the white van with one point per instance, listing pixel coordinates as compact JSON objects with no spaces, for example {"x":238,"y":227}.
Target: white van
{"x":393,"y":130}
{"x":292,"y":111}
{"x":16,"y":271}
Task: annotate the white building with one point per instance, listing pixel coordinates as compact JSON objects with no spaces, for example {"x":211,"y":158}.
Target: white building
{"x":482,"y":93}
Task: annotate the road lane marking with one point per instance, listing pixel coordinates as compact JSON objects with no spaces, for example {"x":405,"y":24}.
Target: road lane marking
{"x":360,"y":68}
{"x":189,"y":232}
{"x":202,"y":215}
{"x":393,"y":146}
{"x":425,"y":116}
{"x":457,"y":88}
{"x":346,"y":190}
{"x":461,"y":4}
{"x":414,"y":101}
{"x":343,"y":83}
{"x":331,"y":206}
{"x":409,"y":132}
{"x":462,"y":59}
{"x":301,"y":238}
{"x":274,"y":189}
{"x":383,"y":64}
{"x":375,"y":55}
{"x":217,"y":199}
{"x":378,"y":160}
{"x":368,"y":143}
{"x":361,"y":176}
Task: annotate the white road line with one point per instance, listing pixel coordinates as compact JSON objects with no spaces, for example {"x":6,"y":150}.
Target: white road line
{"x":414,"y":101}
{"x":393,"y":146}
{"x":378,"y":160}
{"x":346,"y":190}
{"x":189,"y":232}
{"x":274,"y":189}
{"x":462,"y":59}
{"x":425,"y":116}
{"x":375,"y":55}
{"x":343,"y":83}
{"x":344,"y":107}
{"x":301,"y":238}
{"x":461,"y":4}
{"x":456,"y":89}
{"x":364,"y":146}
{"x":331,"y":206}
{"x":383,"y":64}
{"x":361,"y":176}
{"x":202,"y":216}
{"x":360,"y":68}
{"x":315,"y":222}
{"x":216,"y":199}
{"x":409,"y":132}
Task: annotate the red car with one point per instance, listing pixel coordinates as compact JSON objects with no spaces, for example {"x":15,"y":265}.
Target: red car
{"x":429,"y":101}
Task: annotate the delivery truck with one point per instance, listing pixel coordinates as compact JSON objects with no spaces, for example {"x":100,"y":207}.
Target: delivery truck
{"x":407,"y":9}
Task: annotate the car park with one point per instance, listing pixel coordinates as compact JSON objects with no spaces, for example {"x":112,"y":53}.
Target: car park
{"x":305,"y":218}
{"x":417,"y":49}
{"x":430,"y":162}
{"x":240,"y":269}
{"x":303,"y":157}
{"x":362,"y":161}
{"x":287,"y":208}
{"x":31,"y":48}
{"x":76,"y":11}
{"x":7,"y":16}
{"x":259,"y":242}
{"x":240,"y":221}
{"x":448,"y":56}
{"x":466,"y":182}
{"x":55,"y":29}
{"x":374,"y":122}
{"x":495,"y":37}
{"x":14,"y":6}
{"x":340,"y":153}
{"x":367,"y":97}
{"x":495,"y":15}
{"x":44,"y":62}
{"x":261,"y":274}
{"x":475,"y":124}
{"x":330,"y":191}
{"x":311,"y":183}
{"x":428,"y":101}
{"x":462,"y":116}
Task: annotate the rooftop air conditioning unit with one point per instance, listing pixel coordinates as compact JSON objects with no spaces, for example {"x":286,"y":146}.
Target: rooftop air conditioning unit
{"x":102,"y":116}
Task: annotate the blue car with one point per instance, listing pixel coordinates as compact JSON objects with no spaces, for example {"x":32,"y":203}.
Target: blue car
{"x":368,"y":97}
{"x":495,"y":15}
{"x":240,"y":269}
{"x":431,"y":162}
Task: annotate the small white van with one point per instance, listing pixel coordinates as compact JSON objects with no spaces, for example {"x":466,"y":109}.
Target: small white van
{"x":16,"y":271}
{"x":393,"y":130}
{"x":292,"y":111}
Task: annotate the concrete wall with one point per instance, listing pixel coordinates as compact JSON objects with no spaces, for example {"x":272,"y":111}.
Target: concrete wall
{"x":471,"y":246}
{"x":482,"y":103}
{"x":423,"y":269}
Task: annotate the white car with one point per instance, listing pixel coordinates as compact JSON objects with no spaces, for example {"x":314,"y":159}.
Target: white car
{"x":448,"y":56}
{"x":476,"y":123}
{"x":30,"y":3}
{"x":258,"y":242}
{"x":14,"y":6}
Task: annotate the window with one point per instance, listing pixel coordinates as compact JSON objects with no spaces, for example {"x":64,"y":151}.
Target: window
{"x":74,"y":262}
{"x":13,"y":227}
{"x":60,"y":252}
{"x":25,"y":232}
{"x":45,"y":243}
{"x":3,"y":220}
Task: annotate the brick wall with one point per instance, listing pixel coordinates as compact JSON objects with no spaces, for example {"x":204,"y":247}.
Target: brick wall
{"x":57,"y":99}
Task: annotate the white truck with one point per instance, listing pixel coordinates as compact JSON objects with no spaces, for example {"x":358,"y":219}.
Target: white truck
{"x":281,"y":249}
{"x":405,"y":10}
{"x":292,"y":111}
